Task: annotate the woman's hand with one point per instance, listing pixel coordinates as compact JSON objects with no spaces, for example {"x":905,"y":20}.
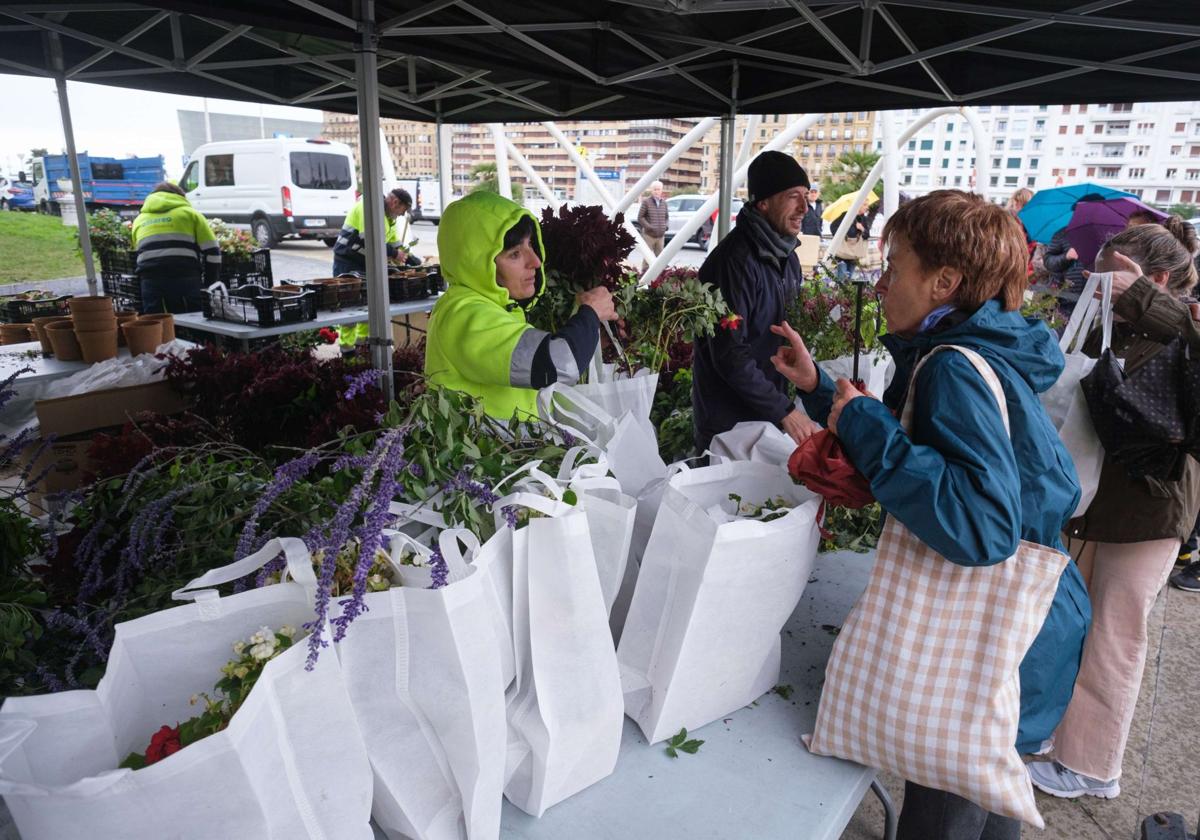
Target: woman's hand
{"x":601,"y":301}
{"x":845,"y":393}
{"x":793,"y":359}
{"x":798,"y":426}
{"x":1124,"y":275}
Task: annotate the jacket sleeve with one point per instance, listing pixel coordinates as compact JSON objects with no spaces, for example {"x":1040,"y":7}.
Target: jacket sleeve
{"x":1055,"y":258}
{"x":731,"y":356}
{"x":959,"y":490}
{"x":643,"y":216}
{"x":819,"y":401}
{"x":1157,"y":314}
{"x":210,"y":250}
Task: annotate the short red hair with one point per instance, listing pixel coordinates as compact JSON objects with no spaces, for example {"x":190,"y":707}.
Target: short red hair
{"x":966,"y":232}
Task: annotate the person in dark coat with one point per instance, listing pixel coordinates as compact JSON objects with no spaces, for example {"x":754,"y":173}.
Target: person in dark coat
{"x":1065,"y":270}
{"x":813,"y":224}
{"x":757,"y":272}
{"x":861,"y":230}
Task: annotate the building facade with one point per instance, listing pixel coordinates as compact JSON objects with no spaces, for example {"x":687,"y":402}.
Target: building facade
{"x":412,"y":145}
{"x":1149,"y":149}
{"x":198,"y":127}
{"x":614,"y":145}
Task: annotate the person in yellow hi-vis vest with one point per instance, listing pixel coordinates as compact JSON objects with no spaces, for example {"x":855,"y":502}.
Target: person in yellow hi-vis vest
{"x":177,"y":254}
{"x":349,"y":254}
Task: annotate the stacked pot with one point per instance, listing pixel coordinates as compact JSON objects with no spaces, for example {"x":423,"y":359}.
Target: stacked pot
{"x":15,"y":333}
{"x":144,"y":334}
{"x":95,"y":324}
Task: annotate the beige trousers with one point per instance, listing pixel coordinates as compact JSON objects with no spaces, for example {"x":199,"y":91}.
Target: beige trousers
{"x":1123,"y":581}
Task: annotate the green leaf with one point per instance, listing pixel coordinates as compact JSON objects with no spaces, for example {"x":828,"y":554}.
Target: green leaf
{"x":691,"y":747}
{"x":570,"y":497}
{"x":784,"y":691}
{"x":671,"y":751}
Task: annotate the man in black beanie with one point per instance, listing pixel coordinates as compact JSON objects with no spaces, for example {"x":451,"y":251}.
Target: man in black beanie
{"x":758,"y":273}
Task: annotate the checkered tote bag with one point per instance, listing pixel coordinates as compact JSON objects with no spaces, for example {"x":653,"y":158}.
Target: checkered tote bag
{"x":923,"y":679}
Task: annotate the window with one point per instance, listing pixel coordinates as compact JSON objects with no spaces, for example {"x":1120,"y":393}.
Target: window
{"x":1071,"y":172}
{"x":1110,"y":171}
{"x":860,"y":133}
{"x":1002,"y":125}
{"x":1141,"y":151}
{"x":1039,"y":125}
{"x":1176,"y":151}
{"x":922,"y":180}
{"x":1062,"y":129}
{"x":1033,"y":163}
{"x":1054,"y":172}
{"x":1121,"y":107}
{"x":218,"y":171}
{"x":1091,"y":172}
{"x":1180,"y":128}
{"x":1135,"y":192}
{"x":950,"y":128}
{"x":941,"y":181}
{"x":1079,"y":129}
{"x":1099,"y":128}
{"x":995,"y":180}
{"x":946,"y":146}
{"x":1013,"y":163}
{"x":923,"y":163}
{"x":996,"y":163}
{"x":1029,"y":182}
{"x":1010,"y":180}
{"x":1017,"y":144}
{"x":1037,"y":144}
{"x":1137,"y":172}
{"x":1145,"y":128}
{"x":912,"y":145}
{"x":320,"y":171}
{"x":1066,"y":109}
{"x":1193,"y":174}
{"x":958,"y":180}
{"x":1171,"y":173}
{"x":945,"y":163}
{"x":908,"y":162}
{"x":1194,"y":151}
{"x":907,"y":179}
{"x":835,"y":134}
{"x":821,"y":134}
{"x":1083,"y":109}
{"x":1186,"y":196}
{"x":926,"y":145}
{"x":191,"y":177}
{"x":999,"y":144}
{"x":1162,"y":195}
{"x":962,"y":145}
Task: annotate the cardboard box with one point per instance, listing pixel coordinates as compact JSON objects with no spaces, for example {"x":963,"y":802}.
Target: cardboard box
{"x":74,"y":420}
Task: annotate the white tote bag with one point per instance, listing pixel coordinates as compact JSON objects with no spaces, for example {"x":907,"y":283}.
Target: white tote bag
{"x":924,"y":678}
{"x":753,"y":440}
{"x":714,"y":590}
{"x":1065,"y":402}
{"x":629,"y":444}
{"x":616,"y":391}
{"x":290,"y":765}
{"x":423,"y":671}
{"x":565,"y":712}
{"x":875,"y":370}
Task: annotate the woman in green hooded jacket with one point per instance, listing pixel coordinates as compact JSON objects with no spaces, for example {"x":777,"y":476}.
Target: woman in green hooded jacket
{"x":479,"y":339}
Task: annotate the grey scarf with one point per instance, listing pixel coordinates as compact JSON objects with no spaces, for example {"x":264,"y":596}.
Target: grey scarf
{"x":769,"y":242}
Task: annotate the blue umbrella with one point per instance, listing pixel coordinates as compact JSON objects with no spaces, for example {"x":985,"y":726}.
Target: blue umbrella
{"x":1049,"y":211}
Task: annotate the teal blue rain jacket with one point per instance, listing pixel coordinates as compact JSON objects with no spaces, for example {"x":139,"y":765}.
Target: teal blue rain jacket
{"x":963,"y":489}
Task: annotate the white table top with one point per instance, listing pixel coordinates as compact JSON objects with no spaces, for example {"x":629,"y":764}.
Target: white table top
{"x":13,"y":357}
{"x":752,"y":778}
{"x":325,"y":318}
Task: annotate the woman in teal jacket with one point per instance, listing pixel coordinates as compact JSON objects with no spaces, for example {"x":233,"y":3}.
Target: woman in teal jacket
{"x":956,"y":275}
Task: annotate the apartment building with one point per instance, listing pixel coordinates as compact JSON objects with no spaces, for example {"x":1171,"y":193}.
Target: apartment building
{"x":613,"y":145}
{"x":412,"y":145}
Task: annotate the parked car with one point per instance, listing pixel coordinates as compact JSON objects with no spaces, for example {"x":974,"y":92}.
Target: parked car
{"x":16,"y":195}
{"x":681,"y":207}
{"x":278,"y":188}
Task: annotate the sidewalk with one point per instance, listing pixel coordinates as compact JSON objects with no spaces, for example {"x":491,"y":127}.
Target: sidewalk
{"x":1161,"y":767}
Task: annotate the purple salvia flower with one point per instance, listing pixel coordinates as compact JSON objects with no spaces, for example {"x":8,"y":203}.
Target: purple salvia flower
{"x":351,"y":462}
{"x":7,"y":389}
{"x":438,"y":570}
{"x":285,"y":478}
{"x":510,"y":515}
{"x":50,"y":680}
{"x":359,"y":383}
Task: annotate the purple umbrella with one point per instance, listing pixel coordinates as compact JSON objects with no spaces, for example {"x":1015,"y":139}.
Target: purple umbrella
{"x":1095,"y":222}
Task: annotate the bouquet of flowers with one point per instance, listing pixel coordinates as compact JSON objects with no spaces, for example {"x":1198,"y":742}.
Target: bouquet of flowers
{"x":236,"y":245}
{"x":674,"y":310}
{"x":823,"y":313}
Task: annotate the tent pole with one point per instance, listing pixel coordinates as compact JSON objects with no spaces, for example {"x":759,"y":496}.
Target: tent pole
{"x":445,"y":171}
{"x":503,"y":175}
{"x":367,"y":67}
{"x":64,"y":106}
{"x":891,"y":165}
{"x":727,"y":129}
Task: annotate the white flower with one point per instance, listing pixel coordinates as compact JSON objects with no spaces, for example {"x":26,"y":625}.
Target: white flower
{"x":241,"y":671}
{"x":238,"y":647}
{"x":263,"y":650}
{"x":287,"y":630}
{"x":262,"y":635}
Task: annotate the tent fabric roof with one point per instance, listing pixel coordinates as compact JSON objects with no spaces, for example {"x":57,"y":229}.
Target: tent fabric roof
{"x":501,"y":61}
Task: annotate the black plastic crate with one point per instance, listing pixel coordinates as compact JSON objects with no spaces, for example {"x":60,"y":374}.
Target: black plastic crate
{"x":24,"y":311}
{"x":117,"y":262}
{"x":126,"y":289}
{"x":407,"y":286}
{"x":254,"y":305}
{"x":437,"y":283}
{"x":255,"y":271}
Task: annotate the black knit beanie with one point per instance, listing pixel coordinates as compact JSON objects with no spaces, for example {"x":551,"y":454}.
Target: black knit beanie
{"x":774,"y":172}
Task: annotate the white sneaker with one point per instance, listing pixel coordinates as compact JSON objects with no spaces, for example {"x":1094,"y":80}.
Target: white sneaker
{"x":1056,"y":780}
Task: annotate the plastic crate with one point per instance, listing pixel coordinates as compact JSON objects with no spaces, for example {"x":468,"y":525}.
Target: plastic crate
{"x":255,"y":271}
{"x":126,"y":289}
{"x":24,"y":311}
{"x":408,"y":284}
{"x":254,"y":305}
{"x":117,"y":262}
{"x":437,"y":283}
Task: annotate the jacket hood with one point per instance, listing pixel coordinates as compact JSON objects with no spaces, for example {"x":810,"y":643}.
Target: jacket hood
{"x":161,"y":202}
{"x":1026,"y":345}
{"x":471,"y":235}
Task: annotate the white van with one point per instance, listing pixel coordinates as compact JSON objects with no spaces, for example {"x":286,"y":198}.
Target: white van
{"x":279,"y":187}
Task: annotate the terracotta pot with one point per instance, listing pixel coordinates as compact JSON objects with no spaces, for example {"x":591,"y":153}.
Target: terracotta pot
{"x":39,"y":327}
{"x":124,"y":317}
{"x":97,"y":346}
{"x":142,"y":335}
{"x":90,"y":303}
{"x":15,"y":333}
{"x":62,"y":339}
{"x":95,"y":321}
{"x":168,"y":324}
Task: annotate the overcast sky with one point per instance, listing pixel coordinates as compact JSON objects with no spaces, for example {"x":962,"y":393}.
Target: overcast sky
{"x":109,"y":121}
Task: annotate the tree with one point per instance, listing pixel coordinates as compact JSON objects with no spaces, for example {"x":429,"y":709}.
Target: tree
{"x":486,"y":180}
{"x":1186,"y":211}
{"x":848,"y":174}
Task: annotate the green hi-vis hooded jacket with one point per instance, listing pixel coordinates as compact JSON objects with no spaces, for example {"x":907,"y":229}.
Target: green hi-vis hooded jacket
{"x":476,"y":326}
{"x":170,"y":233}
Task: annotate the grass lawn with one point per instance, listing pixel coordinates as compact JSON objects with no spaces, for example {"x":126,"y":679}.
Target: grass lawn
{"x":36,"y":247}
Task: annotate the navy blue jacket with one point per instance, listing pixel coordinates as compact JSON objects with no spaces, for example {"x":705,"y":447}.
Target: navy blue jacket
{"x":962,"y":488}
{"x":733,"y":378}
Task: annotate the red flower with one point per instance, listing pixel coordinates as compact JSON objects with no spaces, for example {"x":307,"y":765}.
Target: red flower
{"x":327,"y":335}
{"x":164,"y":742}
{"x":731,"y":321}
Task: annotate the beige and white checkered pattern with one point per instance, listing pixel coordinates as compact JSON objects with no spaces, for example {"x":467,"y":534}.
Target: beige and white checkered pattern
{"x":923,"y":679}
